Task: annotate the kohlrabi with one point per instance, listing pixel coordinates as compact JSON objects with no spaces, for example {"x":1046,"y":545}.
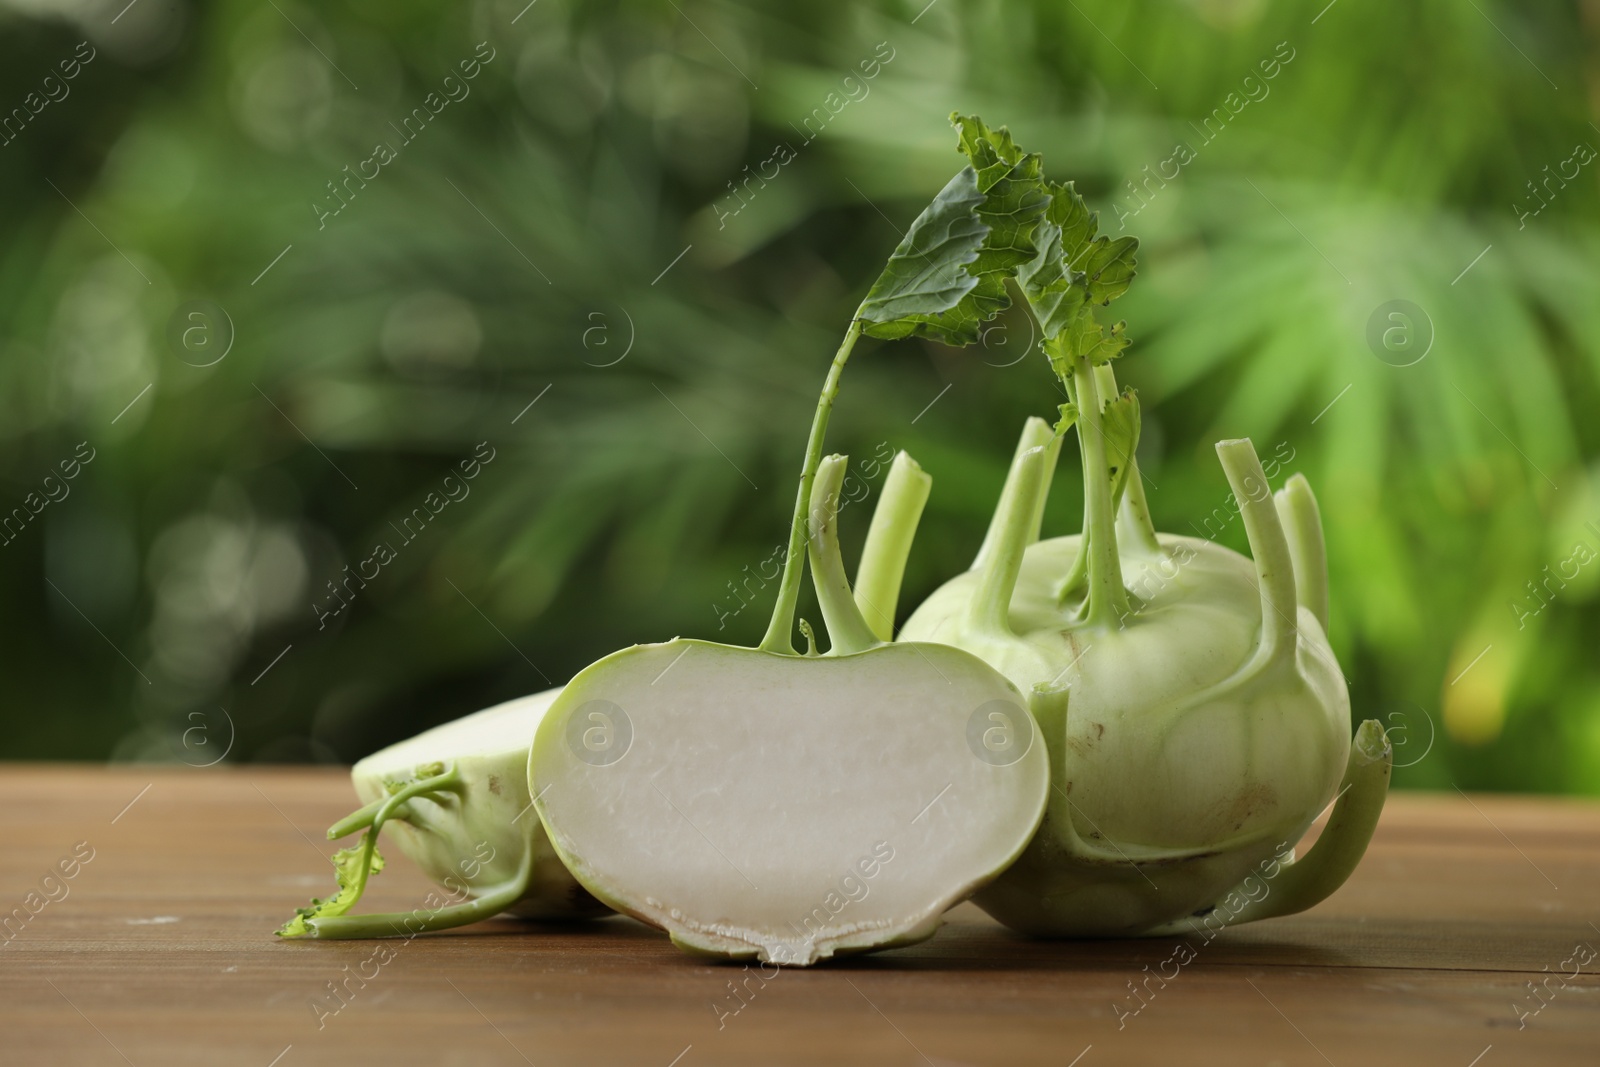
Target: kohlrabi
{"x":455,"y":799}
{"x":1196,"y":719}
{"x":755,"y":802}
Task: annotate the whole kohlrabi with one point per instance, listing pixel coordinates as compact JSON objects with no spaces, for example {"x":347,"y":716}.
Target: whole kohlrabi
{"x":1196,"y":719}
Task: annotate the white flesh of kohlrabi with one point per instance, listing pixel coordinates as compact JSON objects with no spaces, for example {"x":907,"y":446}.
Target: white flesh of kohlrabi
{"x":466,"y":820}
{"x":1194,"y":737}
{"x":781,"y":807}
{"x":759,"y":804}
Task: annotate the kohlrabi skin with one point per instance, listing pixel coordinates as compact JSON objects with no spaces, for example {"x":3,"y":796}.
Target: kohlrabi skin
{"x":455,"y":799}
{"x":761,"y":803}
{"x":1196,"y":717}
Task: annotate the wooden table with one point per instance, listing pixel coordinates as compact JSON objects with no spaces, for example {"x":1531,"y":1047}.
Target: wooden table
{"x":161,"y":952}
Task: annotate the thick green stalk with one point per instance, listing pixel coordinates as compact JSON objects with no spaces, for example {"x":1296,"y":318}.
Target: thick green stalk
{"x":1302,"y":519}
{"x":990,"y":607}
{"x":1280,"y":626}
{"x":883,"y":557}
{"x":1036,"y":433}
{"x":1313,"y":878}
{"x":1052,"y":453}
{"x":847,"y":631}
{"x":779,"y":636}
{"x":1108,"y":598}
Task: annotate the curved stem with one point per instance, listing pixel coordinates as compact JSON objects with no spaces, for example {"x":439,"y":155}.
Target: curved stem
{"x":1036,"y":433}
{"x":1078,"y":575}
{"x":1108,"y":600}
{"x":1315,"y":876}
{"x":888,"y":545}
{"x":409,"y":924}
{"x":447,"y":780}
{"x":1280,"y":627}
{"x":779,"y":637}
{"x":989,"y":610}
{"x":1052,"y":454}
{"x":847,"y":631}
{"x":359,"y":819}
{"x":1133,"y":521}
{"x":1133,"y":513}
{"x":1302,"y":519}
{"x":354,"y":873}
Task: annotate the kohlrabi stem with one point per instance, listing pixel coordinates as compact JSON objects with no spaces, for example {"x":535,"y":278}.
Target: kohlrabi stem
{"x":989,"y":610}
{"x":406,"y":924}
{"x":847,"y":631}
{"x":1052,"y":453}
{"x":359,"y":819}
{"x":1133,"y":514}
{"x":1302,"y":520}
{"x":1134,"y":518}
{"x":1078,"y":574}
{"x":1108,"y":599}
{"x":369,"y":814}
{"x":888,"y":546}
{"x":1268,"y":546}
{"x":447,"y":780}
{"x":1036,"y":433}
{"x":1314,"y":877}
{"x":779,"y":636}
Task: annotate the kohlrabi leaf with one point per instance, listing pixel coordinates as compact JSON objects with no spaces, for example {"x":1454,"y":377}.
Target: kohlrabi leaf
{"x":1014,"y":197}
{"x":947,"y":276}
{"x":926,"y":274}
{"x":1072,"y":271}
{"x":1120,"y":423}
{"x":1056,"y":301}
{"x":1109,"y":268}
{"x":1086,"y":338}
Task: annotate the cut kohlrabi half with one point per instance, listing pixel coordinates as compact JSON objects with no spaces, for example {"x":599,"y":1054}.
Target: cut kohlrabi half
{"x":455,"y":800}
{"x":762,"y":804}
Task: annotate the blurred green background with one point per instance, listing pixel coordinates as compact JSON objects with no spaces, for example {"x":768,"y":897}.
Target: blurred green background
{"x":271,"y":364}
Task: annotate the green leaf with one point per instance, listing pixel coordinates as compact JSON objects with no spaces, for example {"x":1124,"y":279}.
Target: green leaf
{"x":1048,"y":284}
{"x":926,"y":274}
{"x":1069,"y":417}
{"x":1109,"y":268}
{"x":1119,"y":422}
{"x":1014,"y":197}
{"x":947,"y":277}
{"x":1072,"y":272}
{"x":1085,"y":338}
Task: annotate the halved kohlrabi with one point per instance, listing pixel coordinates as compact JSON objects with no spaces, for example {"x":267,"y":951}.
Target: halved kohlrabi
{"x":754,"y":802}
{"x":455,"y":800}
{"x":757,"y":803}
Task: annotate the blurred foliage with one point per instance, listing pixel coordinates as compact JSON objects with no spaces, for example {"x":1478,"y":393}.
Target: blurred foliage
{"x":580,"y":231}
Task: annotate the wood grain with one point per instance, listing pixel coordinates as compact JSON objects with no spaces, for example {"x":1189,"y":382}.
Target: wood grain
{"x":161,"y":953}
